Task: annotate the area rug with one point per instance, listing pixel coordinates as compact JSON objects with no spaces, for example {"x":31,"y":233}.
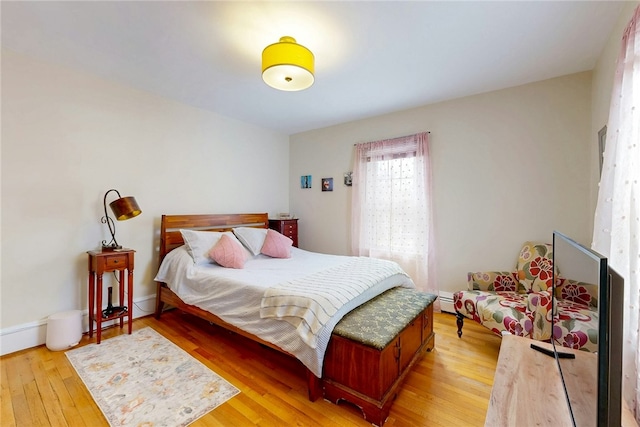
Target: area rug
{"x":143,"y":379}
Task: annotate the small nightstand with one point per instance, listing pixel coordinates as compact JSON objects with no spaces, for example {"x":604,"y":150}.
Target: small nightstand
{"x":105,"y":262}
{"x":288,"y":227}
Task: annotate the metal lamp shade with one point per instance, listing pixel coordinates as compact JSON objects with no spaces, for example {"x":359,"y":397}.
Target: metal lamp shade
{"x":125,"y":208}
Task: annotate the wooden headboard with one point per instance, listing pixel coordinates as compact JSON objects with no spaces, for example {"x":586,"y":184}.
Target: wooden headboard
{"x":170,"y":237}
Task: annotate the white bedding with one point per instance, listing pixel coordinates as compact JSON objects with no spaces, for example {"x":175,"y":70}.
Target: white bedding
{"x":309,"y":302}
{"x":235,"y":295}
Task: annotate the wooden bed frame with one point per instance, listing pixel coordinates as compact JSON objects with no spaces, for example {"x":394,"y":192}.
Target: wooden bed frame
{"x":171,"y":238}
{"x":376,"y":408}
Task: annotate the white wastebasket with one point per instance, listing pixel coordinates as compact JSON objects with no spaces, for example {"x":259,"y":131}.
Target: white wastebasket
{"x":64,"y":330}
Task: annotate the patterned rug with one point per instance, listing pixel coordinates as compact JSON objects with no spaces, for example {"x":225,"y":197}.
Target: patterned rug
{"x":144,"y":379}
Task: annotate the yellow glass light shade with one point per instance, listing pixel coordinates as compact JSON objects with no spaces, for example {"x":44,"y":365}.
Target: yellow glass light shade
{"x":286,"y":65}
{"x":125,"y":208}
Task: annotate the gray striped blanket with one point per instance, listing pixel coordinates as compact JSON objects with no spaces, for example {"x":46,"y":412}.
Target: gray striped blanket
{"x":308,"y":303}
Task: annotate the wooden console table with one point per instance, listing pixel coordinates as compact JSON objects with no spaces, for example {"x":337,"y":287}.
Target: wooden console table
{"x":527,"y":387}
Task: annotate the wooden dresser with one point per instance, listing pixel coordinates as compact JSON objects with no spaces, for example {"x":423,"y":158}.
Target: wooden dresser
{"x":288,"y":227}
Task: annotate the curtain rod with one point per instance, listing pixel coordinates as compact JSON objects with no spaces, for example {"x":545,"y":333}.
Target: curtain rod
{"x":397,"y":137}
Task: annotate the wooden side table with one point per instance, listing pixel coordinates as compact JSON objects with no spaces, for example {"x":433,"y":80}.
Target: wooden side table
{"x":287,"y":227}
{"x":106,"y":262}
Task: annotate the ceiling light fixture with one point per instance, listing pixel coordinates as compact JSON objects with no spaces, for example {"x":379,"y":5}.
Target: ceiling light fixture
{"x":286,"y":65}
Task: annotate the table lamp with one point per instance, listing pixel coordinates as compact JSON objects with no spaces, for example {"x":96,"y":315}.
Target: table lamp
{"x":123,"y":208}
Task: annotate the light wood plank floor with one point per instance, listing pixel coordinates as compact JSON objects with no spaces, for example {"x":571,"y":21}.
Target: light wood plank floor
{"x":450,"y":386}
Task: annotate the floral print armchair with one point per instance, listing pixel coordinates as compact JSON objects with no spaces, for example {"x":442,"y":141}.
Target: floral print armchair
{"x":575,"y":315}
{"x":504,"y":301}
{"x":519,"y":302}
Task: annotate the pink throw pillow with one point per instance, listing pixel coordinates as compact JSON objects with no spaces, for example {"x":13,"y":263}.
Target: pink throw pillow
{"x":276,"y":245}
{"x":228,"y":253}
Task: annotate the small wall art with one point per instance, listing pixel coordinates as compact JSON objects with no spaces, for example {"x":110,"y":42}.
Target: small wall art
{"x":327,"y":184}
{"x":602,"y":139}
{"x":348,"y":178}
{"x":305,"y":181}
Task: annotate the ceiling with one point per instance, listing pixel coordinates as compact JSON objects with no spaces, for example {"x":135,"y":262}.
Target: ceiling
{"x":371,"y":58}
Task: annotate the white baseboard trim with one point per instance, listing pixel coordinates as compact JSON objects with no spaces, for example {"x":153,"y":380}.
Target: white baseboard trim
{"x":446,"y":302}
{"x":33,"y":334}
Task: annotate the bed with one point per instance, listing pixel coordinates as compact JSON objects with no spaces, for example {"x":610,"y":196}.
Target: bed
{"x":239,"y":299}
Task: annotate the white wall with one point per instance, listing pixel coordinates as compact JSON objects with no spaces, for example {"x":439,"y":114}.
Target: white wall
{"x":67,"y":138}
{"x":508,"y":166}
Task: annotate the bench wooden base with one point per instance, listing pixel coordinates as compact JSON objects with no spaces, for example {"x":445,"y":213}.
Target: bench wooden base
{"x":368,"y":377}
{"x":353,"y":372}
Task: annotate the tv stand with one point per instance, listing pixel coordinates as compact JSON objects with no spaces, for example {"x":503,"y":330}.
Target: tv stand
{"x":527,"y":386}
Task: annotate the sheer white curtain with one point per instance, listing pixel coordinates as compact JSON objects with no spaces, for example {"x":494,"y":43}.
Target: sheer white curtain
{"x":616,"y":231}
{"x":391,"y":205}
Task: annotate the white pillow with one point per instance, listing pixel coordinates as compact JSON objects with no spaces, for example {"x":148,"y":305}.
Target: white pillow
{"x":199,"y":243}
{"x":251,"y":238}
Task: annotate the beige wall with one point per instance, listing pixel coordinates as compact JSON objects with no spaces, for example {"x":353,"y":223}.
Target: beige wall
{"x":508,"y":166}
{"x":68,"y":137}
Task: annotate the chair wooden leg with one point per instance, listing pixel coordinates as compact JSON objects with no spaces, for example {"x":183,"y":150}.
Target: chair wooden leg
{"x":459,"y":322}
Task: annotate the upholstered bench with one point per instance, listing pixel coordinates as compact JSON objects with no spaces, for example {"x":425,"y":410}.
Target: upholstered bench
{"x":374,"y":346}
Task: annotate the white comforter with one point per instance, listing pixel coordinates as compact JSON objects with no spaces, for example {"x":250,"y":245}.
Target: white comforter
{"x":236,"y":295}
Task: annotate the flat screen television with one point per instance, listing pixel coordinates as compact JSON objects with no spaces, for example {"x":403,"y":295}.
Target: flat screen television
{"x":577,"y":262}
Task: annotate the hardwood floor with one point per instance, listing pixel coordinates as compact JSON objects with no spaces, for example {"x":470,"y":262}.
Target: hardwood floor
{"x":450,"y":386}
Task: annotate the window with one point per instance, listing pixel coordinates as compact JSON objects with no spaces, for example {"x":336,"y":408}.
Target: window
{"x":391,"y":205}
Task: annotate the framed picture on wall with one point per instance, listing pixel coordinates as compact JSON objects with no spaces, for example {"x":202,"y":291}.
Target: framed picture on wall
{"x":348,"y":178}
{"x":327,"y":184}
{"x":305,"y":181}
{"x":602,"y":139}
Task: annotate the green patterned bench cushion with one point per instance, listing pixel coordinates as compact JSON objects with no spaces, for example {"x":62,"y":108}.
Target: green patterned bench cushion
{"x":377,"y":322}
